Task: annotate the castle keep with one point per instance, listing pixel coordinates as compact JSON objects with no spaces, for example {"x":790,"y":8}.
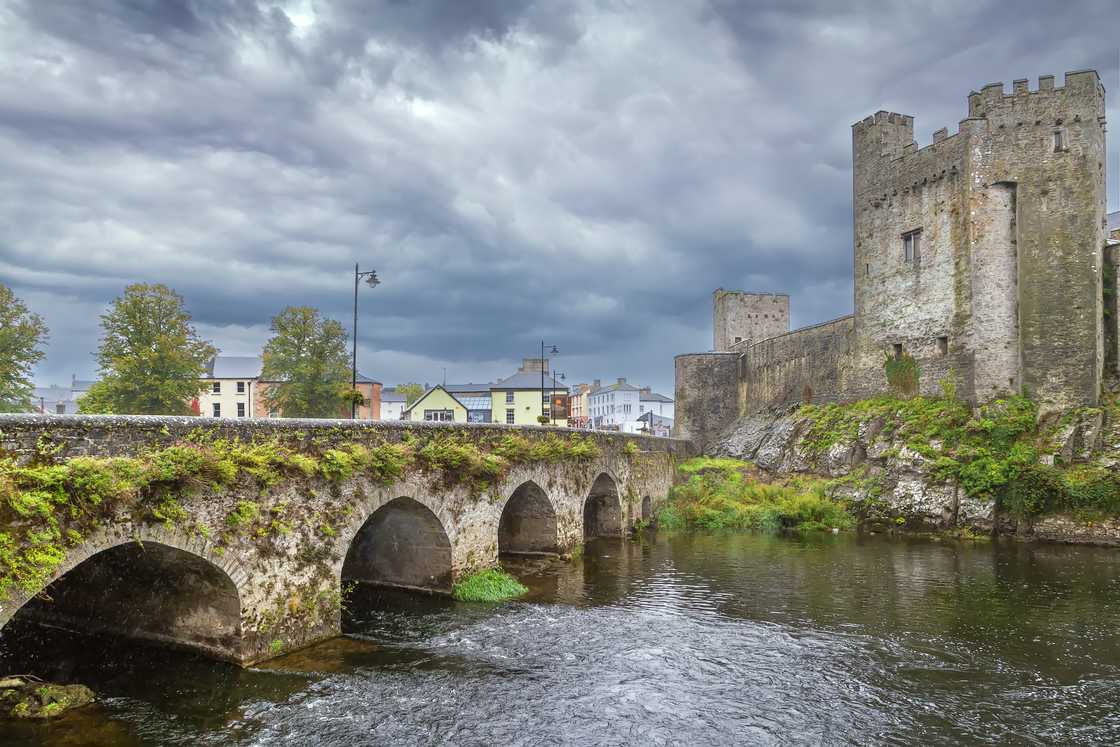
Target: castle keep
{"x":981,"y":255}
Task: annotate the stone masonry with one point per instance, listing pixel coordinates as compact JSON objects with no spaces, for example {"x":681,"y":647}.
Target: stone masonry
{"x":278,"y":585}
{"x":980,"y":255}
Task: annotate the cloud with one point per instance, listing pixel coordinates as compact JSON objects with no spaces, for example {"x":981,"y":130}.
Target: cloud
{"x":582,"y":172}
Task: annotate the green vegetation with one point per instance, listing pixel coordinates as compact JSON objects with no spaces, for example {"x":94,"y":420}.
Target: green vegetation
{"x":50,"y":505}
{"x":22,"y":335}
{"x":150,"y":357}
{"x":902,"y":374}
{"x":22,"y":697}
{"x":726,"y":494}
{"x":411,"y":391}
{"x":306,"y":362}
{"x":993,"y":452}
{"x":491,"y":585}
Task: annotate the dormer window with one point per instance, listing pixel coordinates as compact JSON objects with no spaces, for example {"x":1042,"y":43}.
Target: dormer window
{"x":911,"y":246}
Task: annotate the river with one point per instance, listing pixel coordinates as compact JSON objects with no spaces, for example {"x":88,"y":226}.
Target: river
{"x":687,"y":639}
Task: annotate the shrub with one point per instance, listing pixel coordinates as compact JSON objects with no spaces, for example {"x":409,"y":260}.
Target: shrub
{"x":1034,"y":490}
{"x":902,"y":374}
{"x":491,"y":585}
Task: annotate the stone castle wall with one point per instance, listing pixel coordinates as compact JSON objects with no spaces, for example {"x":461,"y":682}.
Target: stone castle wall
{"x":1007,"y":292}
{"x":741,"y":317}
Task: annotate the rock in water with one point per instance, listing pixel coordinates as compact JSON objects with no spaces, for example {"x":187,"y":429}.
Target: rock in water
{"x":40,"y":700}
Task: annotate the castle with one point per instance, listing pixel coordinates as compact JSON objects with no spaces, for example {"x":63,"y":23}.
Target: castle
{"x":981,"y":256}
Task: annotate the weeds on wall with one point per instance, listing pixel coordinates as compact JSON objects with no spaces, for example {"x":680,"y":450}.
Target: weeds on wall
{"x":902,"y":374}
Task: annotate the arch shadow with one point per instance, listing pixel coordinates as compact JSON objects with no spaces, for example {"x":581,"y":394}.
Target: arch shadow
{"x":148,"y":591}
{"x":602,"y":509}
{"x":402,"y":544}
{"x":647,"y":508}
{"x":528,"y":523}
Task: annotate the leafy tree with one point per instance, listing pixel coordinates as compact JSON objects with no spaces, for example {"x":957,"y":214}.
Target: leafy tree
{"x":151,"y":358}
{"x":22,"y":335}
{"x":411,"y":391}
{"x":306,"y":366}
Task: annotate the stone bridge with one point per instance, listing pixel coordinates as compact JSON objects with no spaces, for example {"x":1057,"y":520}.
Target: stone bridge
{"x":239,"y":538}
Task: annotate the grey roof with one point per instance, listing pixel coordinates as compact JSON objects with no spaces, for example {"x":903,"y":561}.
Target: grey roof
{"x":82,"y":385}
{"x":235,"y":367}
{"x":390,"y":394}
{"x":654,"y":397}
{"x":1114,"y":221}
{"x":657,"y":419}
{"x":528,"y":381}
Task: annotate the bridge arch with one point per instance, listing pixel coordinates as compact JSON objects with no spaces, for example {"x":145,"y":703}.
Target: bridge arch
{"x":154,"y":587}
{"x":602,"y":509}
{"x":402,"y":544}
{"x":647,"y":508}
{"x":528,"y":522}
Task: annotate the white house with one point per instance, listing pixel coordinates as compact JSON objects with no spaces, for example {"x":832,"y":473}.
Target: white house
{"x":620,"y":406}
{"x":228,"y":386}
{"x":392,"y":404}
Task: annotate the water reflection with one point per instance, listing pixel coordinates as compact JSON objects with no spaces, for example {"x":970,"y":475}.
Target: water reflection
{"x":697,"y":639}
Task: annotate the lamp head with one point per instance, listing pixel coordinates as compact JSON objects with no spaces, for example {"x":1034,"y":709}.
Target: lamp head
{"x":371,"y":279}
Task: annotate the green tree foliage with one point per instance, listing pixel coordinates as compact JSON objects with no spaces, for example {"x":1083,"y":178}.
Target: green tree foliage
{"x":22,"y":335}
{"x":411,"y":391}
{"x":306,"y":358}
{"x":151,"y":358}
{"x":902,"y":374}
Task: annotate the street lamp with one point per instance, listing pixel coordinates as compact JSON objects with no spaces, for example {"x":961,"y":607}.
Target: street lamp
{"x":372,"y":282}
{"x":553,"y":351}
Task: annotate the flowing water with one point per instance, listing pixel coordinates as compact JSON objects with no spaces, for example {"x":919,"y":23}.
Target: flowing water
{"x":690,"y":639}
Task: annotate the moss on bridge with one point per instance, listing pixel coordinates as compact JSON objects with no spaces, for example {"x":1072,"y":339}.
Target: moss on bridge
{"x":51,"y":504}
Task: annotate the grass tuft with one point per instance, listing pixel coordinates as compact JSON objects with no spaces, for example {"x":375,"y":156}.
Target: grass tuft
{"x":491,"y":585}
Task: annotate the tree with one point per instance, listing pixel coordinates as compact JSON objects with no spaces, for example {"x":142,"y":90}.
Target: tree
{"x":22,"y":335}
{"x":411,"y":391}
{"x":306,"y":366}
{"x":151,"y":358}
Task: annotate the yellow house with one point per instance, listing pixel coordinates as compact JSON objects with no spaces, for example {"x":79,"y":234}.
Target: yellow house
{"x":518,"y":400}
{"x":437,"y":405}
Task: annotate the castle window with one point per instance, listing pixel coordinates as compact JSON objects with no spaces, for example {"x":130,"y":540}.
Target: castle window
{"x":897,"y":350}
{"x":738,"y":339}
{"x":911,"y":246}
{"x":1059,"y":141}
{"x":943,"y":345}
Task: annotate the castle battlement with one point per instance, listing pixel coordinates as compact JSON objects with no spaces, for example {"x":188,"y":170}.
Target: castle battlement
{"x":978,"y":254}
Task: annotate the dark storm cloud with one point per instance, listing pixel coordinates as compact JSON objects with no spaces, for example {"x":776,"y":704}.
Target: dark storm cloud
{"x":585,"y":172}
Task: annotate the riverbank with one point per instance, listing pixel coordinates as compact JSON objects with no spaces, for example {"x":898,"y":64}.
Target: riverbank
{"x":930,"y":464}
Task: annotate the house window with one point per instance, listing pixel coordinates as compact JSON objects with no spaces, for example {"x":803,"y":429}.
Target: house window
{"x":240,"y":409}
{"x":509,"y":416}
{"x":911,"y":246}
{"x":273,"y":413}
{"x":217,"y":409}
{"x":216,"y":387}
{"x":897,"y":350}
{"x":60,"y":408}
{"x":241,"y":387}
{"x":509,"y":398}
{"x":439,"y":416}
{"x":641,"y":408}
{"x":1059,"y":141}
{"x":943,"y":345}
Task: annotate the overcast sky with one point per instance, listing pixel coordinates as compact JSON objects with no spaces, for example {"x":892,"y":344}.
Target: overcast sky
{"x":585,"y":172}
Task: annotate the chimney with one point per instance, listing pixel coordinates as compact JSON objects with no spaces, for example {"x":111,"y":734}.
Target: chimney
{"x":597,"y":384}
{"x":621,"y":379}
{"x":646,"y":390}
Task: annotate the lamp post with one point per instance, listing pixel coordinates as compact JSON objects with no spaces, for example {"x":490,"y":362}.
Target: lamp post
{"x":372,"y":282}
{"x":553,"y":351}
